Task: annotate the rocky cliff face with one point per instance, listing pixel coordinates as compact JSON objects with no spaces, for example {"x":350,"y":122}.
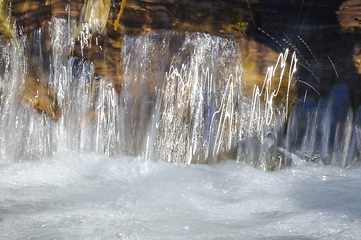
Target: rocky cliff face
{"x":324,"y":34}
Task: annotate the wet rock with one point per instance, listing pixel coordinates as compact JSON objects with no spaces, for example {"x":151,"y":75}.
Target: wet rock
{"x":5,"y":27}
{"x":357,"y":57}
{"x":349,"y":14}
{"x":36,"y":94}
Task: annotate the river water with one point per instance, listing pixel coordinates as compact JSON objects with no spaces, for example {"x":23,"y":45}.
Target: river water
{"x":91,"y":196}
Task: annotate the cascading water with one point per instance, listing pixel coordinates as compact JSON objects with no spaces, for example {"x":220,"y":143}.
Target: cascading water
{"x":25,"y":133}
{"x":181,"y":100}
{"x":325,"y":132}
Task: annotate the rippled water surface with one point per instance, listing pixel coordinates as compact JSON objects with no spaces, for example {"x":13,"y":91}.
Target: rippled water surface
{"x":88,"y":196}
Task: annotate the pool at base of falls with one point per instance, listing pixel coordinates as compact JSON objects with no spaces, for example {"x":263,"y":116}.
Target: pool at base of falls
{"x":81,"y":195}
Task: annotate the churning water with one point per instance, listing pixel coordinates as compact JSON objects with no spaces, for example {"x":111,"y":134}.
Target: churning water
{"x":91,"y":196}
{"x":107,"y":163}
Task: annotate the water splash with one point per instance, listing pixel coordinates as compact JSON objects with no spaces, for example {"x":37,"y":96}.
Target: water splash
{"x":324,"y":131}
{"x":181,"y":100}
{"x":69,"y":84}
{"x":198,"y":96}
{"x":93,"y":117}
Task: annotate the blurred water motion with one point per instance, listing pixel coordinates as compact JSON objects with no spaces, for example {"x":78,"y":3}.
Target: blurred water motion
{"x":176,"y":96}
{"x":181,"y":100}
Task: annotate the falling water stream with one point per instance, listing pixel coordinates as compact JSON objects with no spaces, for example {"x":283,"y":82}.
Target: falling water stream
{"x":108,"y":164}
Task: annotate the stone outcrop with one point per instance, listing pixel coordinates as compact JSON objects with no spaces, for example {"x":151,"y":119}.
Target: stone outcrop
{"x":39,"y":96}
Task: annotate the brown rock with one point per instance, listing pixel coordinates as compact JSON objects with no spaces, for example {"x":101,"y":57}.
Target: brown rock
{"x":36,"y":94}
{"x":349,"y":14}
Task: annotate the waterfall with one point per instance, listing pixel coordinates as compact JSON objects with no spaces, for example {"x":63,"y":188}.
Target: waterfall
{"x":181,"y":99}
{"x":325,"y":131}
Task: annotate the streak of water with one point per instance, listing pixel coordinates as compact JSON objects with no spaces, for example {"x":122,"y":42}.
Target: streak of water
{"x":325,"y":131}
{"x":181,"y":100}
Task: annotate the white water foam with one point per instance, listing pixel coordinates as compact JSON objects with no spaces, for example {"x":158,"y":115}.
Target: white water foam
{"x":91,"y":196}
